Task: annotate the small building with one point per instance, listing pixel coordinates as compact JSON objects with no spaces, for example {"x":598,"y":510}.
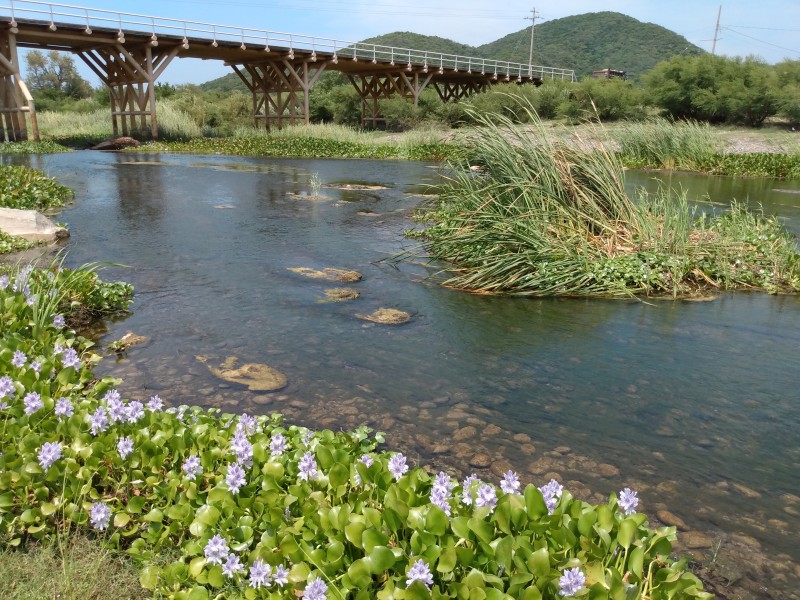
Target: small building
{"x":609,"y":74}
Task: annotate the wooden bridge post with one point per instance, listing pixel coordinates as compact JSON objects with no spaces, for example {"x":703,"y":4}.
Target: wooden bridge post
{"x":130,"y":74}
{"x":15,"y":99}
{"x":455,"y":91}
{"x":280,"y":89}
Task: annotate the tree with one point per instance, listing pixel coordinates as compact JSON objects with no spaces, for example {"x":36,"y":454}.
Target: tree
{"x":54,"y":75}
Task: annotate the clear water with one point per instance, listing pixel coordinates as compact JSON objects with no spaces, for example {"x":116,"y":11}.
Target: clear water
{"x":696,"y":404}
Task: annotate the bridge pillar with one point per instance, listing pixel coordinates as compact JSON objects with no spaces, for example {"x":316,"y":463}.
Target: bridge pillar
{"x":372,"y":87}
{"x":280,"y":89}
{"x":130,"y":74}
{"x":15,"y":100}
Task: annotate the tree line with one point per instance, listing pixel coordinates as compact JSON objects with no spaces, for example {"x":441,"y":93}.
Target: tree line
{"x":714,"y":89}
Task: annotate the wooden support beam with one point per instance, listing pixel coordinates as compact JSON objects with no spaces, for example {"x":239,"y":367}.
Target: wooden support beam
{"x":130,"y":73}
{"x":280,"y":89}
{"x":16,"y":102}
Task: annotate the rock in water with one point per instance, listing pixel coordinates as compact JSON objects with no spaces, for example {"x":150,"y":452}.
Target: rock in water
{"x":386,"y":316}
{"x":256,"y":376}
{"x":327,"y":274}
{"x":30,"y":225}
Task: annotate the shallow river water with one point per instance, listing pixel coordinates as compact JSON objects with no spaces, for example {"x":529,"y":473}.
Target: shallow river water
{"x":694,"y":404}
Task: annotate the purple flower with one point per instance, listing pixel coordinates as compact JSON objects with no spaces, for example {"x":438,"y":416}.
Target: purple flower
{"x":466,"y":488}
{"x":510,"y":483}
{"x":571,"y":582}
{"x":191,"y":466}
{"x":69,"y":358}
{"x":64,"y":408}
{"x":441,"y":492}
{"x":125,"y":447}
{"x":398,"y":466}
{"x":49,"y":453}
{"x":36,"y":366}
{"x":308,"y":437}
{"x":315,"y":590}
{"x":281,"y":575}
{"x":628,"y":501}
{"x":117,"y":410}
{"x":216,"y":550}
{"x":19,"y":359}
{"x":4,"y":281}
{"x":31,"y":300}
{"x":277,"y":445}
{"x":551,"y":492}
{"x":235,"y":477}
{"x":100,"y":516}
{"x":487,"y":496}
{"x":111,"y":395}
{"x":99,"y":420}
{"x":33,"y":402}
{"x":260,"y":574}
{"x":248,"y":424}
{"x":134,"y":411}
{"x":308,"y":467}
{"x":59,"y":321}
{"x":155,"y":403}
{"x":366,"y":459}
{"x":232,"y":566}
{"x":420,"y":571}
{"x":242,"y":448}
{"x":7,"y":390}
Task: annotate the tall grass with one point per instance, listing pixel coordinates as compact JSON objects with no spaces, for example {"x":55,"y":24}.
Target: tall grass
{"x":543,"y":217}
{"x":663,"y":144}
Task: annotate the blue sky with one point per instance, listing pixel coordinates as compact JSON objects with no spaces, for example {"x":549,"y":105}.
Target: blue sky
{"x":769,"y":28}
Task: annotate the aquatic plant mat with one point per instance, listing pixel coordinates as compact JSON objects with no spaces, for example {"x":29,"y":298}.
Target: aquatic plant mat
{"x":215,"y":505}
{"x":532,"y":215}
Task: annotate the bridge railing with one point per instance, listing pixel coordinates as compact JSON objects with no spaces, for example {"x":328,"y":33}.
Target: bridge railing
{"x":192,"y":32}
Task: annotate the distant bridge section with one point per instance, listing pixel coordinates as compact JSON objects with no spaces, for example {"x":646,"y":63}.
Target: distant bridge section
{"x":128,"y":52}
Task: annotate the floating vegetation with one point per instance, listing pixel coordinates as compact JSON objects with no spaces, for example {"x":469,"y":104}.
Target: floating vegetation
{"x":327,"y":274}
{"x":386,"y":316}
{"x":30,"y":189}
{"x":256,"y":376}
{"x":10,"y":243}
{"x":545,"y":218}
{"x":341,"y":294}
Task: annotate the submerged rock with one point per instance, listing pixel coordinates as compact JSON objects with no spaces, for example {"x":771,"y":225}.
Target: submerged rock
{"x":340,"y":294}
{"x":386,"y":316}
{"x":128,"y":340}
{"x":256,"y":376}
{"x":328,"y":274}
{"x":118,"y":143}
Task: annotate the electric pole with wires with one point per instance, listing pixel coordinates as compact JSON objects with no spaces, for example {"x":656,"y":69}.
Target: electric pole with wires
{"x":532,"y":19}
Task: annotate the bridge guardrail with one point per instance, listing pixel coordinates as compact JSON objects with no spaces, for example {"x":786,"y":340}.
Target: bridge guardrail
{"x":249,"y":37}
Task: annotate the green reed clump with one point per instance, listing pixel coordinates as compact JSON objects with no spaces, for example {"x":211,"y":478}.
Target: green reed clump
{"x":663,"y":144}
{"x":30,"y":189}
{"x":537,"y":216}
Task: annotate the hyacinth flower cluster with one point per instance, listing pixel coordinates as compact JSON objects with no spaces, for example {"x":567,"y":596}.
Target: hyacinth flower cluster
{"x":249,"y":506}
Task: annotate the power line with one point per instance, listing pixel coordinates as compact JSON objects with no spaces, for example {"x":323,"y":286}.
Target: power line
{"x":767,"y":28}
{"x":750,"y":37}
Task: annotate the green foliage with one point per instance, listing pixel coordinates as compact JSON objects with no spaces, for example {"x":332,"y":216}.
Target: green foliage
{"x":543,"y":217}
{"x":354,"y":525}
{"x":28,"y":147}
{"x":26,"y":188}
{"x":54,"y":80}
{"x":10,"y":243}
{"x":715,"y":89}
{"x":788,"y":77}
{"x":604,"y":99}
{"x":661,"y":144}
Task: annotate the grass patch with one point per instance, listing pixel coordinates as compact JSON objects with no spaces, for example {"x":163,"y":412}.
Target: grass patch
{"x":543,"y":217}
{"x":30,"y":189}
{"x":68,"y":567}
{"x":663,"y":144}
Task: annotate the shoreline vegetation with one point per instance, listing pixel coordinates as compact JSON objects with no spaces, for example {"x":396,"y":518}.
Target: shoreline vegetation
{"x":220,"y":505}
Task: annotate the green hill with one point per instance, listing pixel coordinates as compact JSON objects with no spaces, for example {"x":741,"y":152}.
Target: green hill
{"x":581,"y":42}
{"x":593,"y":41}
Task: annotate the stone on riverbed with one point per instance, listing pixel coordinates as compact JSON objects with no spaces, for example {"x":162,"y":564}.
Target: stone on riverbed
{"x":328,"y":274}
{"x":386,"y":316}
{"x":30,"y":225}
{"x":340,"y":294}
{"x":256,"y":376}
{"x":118,"y":143}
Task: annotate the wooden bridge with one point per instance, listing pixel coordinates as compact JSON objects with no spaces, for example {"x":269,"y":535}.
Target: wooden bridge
{"x":128,"y":52}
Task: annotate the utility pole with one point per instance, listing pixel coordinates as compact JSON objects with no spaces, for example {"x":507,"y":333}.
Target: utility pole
{"x":532,"y":19}
{"x":716,"y":32}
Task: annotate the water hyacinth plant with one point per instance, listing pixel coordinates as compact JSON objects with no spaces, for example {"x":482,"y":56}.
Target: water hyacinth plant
{"x":290,"y":513}
{"x":535,"y":216}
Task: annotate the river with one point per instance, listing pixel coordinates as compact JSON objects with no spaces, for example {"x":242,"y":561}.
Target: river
{"x":694,"y":404}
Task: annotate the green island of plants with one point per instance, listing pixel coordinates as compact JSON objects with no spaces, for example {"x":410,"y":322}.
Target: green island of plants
{"x":30,"y":189}
{"x":536,"y":215}
{"x":216,"y":505}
